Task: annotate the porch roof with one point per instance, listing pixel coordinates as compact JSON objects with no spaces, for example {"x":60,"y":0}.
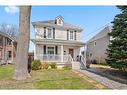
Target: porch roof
{"x":57,"y":42}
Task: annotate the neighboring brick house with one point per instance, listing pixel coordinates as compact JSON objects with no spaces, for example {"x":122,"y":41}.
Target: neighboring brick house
{"x":8,"y":47}
{"x":97,"y":45}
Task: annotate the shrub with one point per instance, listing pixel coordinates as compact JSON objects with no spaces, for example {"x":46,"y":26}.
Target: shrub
{"x":53,"y":65}
{"x":45,"y":65}
{"x":36,"y":65}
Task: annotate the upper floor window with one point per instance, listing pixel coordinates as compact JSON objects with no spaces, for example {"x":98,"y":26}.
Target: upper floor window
{"x":49,"y":33}
{"x":71,"y":35}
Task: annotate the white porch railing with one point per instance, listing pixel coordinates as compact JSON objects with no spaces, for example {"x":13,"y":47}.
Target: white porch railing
{"x":53,"y":58}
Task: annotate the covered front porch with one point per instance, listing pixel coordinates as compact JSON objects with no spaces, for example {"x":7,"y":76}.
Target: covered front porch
{"x":57,"y":51}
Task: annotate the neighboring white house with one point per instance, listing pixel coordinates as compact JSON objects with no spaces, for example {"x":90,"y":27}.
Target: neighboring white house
{"x":97,"y":45}
{"x":56,"y":40}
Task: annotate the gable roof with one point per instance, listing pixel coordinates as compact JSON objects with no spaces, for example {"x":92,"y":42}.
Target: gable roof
{"x":8,"y":36}
{"x":104,"y":32}
{"x":52,"y":23}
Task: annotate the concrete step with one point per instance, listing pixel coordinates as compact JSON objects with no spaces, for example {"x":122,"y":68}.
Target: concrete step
{"x":76,"y":65}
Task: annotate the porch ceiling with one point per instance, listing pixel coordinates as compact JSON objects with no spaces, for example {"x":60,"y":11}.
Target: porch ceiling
{"x":58,"y":42}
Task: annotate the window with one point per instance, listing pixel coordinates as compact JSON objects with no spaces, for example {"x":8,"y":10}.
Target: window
{"x":95,"y":43}
{"x":59,"y":21}
{"x":49,"y":33}
{"x":90,"y":55}
{"x":9,"y":54}
{"x":50,"y":50}
{"x":8,"y":41}
{"x":1,"y":40}
{"x":71,"y":35}
{"x":64,"y":52}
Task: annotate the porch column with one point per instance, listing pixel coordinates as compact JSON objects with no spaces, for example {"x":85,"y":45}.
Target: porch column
{"x":61,"y":53}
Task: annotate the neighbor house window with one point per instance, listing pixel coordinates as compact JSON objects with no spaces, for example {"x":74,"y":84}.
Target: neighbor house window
{"x":95,"y":43}
{"x":9,"y":54}
{"x":8,"y":41}
{"x":1,"y":40}
{"x":50,"y":50}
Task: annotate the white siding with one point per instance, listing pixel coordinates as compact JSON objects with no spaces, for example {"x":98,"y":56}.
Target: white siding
{"x":59,"y":34}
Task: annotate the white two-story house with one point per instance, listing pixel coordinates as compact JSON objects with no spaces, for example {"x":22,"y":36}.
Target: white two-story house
{"x":56,"y":40}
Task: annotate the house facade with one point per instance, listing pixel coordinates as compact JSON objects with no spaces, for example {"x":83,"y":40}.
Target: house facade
{"x":56,"y":40}
{"x":8,"y":47}
{"x":97,"y":45}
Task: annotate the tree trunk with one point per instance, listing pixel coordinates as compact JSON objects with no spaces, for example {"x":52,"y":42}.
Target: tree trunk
{"x":21,"y":71}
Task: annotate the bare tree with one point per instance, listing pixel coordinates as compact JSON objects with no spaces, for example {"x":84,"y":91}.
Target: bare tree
{"x":21,"y":64}
{"x":9,"y":29}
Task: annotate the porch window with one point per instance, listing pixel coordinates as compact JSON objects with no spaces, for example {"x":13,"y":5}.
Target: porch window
{"x":50,"y":50}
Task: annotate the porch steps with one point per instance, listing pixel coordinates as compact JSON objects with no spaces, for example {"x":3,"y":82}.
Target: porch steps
{"x":76,"y":65}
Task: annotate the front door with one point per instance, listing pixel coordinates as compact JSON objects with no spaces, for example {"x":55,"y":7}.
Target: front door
{"x":71,"y":52}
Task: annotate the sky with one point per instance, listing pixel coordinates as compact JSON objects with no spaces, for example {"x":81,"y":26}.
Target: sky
{"x":90,"y":18}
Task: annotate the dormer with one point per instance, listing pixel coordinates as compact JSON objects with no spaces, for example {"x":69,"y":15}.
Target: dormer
{"x":59,"y":20}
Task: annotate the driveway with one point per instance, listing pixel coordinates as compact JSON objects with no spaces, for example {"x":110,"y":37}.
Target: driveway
{"x":111,"y":84}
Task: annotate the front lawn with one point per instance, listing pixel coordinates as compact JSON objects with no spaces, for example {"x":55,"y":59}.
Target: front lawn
{"x":47,"y":79}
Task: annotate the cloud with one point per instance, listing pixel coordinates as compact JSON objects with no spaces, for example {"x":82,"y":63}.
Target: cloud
{"x":11,"y":9}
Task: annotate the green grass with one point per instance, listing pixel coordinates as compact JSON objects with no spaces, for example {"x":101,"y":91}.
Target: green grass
{"x":6,"y":71}
{"x":45,"y":79}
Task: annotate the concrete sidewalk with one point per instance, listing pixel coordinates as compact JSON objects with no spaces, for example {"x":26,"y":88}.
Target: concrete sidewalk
{"x":104,"y":80}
